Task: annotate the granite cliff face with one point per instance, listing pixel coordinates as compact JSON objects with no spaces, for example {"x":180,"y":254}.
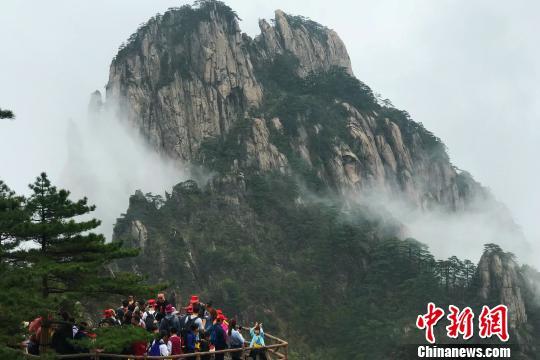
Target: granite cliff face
{"x":183,"y":78}
{"x":502,"y":281}
{"x":190,"y":75}
{"x":315,"y":46}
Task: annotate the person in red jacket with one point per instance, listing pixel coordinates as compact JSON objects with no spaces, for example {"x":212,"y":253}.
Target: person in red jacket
{"x":175,"y":343}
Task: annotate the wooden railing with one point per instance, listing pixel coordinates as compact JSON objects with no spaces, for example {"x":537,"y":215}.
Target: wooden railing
{"x":275,"y":348}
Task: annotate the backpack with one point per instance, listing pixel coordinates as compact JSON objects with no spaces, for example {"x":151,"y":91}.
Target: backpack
{"x":218,"y":337}
{"x":154,"y":349}
{"x":212,"y":334}
{"x":166,"y":325}
{"x":186,"y":327}
{"x":120,"y":314}
{"x":149,"y":321}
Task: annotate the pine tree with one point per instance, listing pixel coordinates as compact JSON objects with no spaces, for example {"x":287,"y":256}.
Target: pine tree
{"x":66,"y":257}
{"x":50,"y":256}
{"x":469,"y":270}
{"x":12,"y":215}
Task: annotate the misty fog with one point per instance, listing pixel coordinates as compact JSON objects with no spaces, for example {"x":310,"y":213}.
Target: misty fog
{"x":108,"y":161}
{"x":449,"y":233}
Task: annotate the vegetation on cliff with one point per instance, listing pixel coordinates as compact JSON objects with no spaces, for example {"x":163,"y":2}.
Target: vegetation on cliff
{"x":178,"y":22}
{"x":6,"y":114}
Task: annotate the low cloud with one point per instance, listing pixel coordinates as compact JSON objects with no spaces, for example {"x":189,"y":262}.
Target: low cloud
{"x":108,"y":160}
{"x":450,"y":233}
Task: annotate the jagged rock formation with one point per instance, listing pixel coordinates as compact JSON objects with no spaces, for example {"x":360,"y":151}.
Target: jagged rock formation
{"x":190,"y":75}
{"x":182,"y":79}
{"x":315,"y":46}
{"x":501,"y":281}
{"x":95,"y":104}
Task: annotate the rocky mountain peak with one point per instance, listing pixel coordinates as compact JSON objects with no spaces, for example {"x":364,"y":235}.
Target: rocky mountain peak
{"x":184,"y":76}
{"x":501,"y":282}
{"x":188,"y":74}
{"x":315,"y":46}
{"x":188,"y":77}
{"x":202,"y":92}
{"x":96,"y":102}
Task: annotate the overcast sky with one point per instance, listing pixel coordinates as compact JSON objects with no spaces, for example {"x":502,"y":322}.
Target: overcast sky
{"x":468,"y":70}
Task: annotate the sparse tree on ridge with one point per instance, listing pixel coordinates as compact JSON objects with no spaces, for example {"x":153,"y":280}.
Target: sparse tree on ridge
{"x":6,"y":114}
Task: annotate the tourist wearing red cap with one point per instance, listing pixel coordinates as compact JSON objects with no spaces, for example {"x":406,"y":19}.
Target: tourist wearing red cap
{"x":218,"y":336}
{"x":169,"y":321}
{"x":193,"y":315}
{"x":224,"y":320}
{"x":149,"y":316}
{"x":108,"y":318}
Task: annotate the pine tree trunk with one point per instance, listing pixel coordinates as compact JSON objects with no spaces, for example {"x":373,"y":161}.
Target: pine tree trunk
{"x":45,"y":336}
{"x":45,"y":286}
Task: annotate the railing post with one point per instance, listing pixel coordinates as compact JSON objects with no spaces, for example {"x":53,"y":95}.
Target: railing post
{"x":44,"y":337}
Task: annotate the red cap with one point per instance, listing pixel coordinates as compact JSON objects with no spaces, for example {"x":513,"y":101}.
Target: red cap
{"x":221,"y":317}
{"x":169,"y":309}
{"x":189,"y":309}
{"x":152,"y":302}
{"x":194,"y":299}
{"x":108,"y":313}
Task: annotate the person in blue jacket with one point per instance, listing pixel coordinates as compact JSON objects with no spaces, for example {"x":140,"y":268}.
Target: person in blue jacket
{"x":191,"y":338}
{"x":257,"y":342}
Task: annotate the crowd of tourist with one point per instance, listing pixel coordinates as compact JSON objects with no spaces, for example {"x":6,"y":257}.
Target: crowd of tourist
{"x":197,"y":327}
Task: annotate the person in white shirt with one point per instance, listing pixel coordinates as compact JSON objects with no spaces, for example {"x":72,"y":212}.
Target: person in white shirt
{"x":159,"y":345}
{"x":163,"y":348}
